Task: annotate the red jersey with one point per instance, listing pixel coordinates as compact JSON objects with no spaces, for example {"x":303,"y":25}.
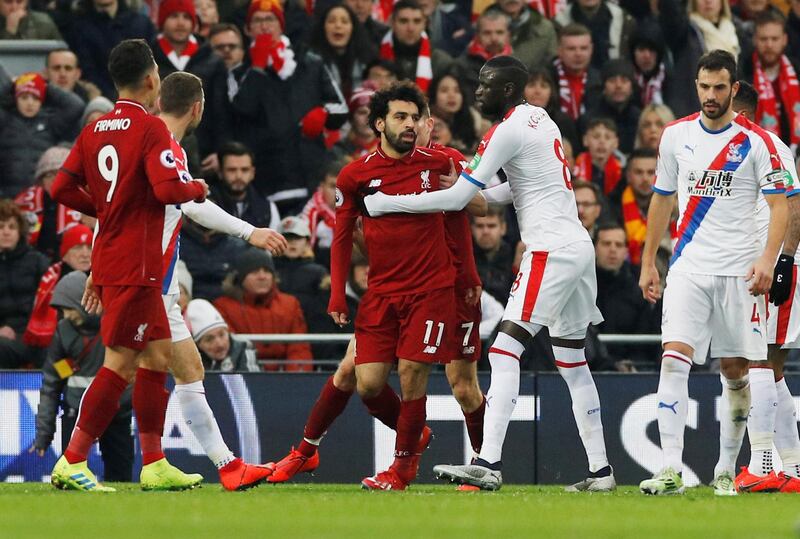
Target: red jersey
{"x":121,"y":169}
{"x":458,"y":232}
{"x":408,"y":254}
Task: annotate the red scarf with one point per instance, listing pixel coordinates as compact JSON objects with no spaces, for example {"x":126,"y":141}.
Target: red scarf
{"x":652,"y":89}
{"x":382,"y":10}
{"x":178,"y":61}
{"x":548,"y":8}
{"x":31,"y":201}
{"x":315,"y":211}
{"x":767,"y":115}
{"x":612,"y":173}
{"x":424,"y":68}
{"x":570,"y":91}
{"x":476,"y":49}
{"x":44,"y":318}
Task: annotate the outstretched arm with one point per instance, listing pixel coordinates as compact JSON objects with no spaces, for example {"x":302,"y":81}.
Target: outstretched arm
{"x":453,"y":199}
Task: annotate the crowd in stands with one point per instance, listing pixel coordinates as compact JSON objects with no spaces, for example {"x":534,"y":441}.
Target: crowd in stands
{"x":287,"y":90}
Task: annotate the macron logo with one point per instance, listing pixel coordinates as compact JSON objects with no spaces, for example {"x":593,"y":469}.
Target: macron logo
{"x":375,"y":183}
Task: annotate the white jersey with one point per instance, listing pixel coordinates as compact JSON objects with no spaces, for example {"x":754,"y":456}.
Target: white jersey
{"x":717,"y":176}
{"x":527,"y":146}
{"x":762,"y":208}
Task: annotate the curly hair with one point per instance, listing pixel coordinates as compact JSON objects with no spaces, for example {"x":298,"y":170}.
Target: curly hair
{"x":399,"y":91}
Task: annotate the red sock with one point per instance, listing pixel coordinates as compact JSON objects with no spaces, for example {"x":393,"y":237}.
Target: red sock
{"x":385,"y":407}
{"x":98,"y":407}
{"x":474,"y":422}
{"x":150,"y":399}
{"x":409,"y":429}
{"x":330,"y":405}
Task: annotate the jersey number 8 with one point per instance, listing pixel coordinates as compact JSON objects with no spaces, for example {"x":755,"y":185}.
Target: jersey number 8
{"x":108,"y":165}
{"x":558,"y":148}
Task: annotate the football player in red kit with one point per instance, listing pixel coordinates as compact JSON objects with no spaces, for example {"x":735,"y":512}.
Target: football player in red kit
{"x":120,"y":170}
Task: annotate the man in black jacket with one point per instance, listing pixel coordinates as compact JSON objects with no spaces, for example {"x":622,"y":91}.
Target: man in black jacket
{"x":618,"y":102}
{"x":493,"y":256}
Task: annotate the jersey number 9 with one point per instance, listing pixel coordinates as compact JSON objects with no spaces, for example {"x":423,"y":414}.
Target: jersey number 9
{"x":108,"y":165}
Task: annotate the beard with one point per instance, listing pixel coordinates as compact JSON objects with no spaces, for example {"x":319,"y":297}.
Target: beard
{"x":722,"y":107}
{"x":397,"y":143}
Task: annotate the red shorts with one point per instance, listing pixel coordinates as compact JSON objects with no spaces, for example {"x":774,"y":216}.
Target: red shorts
{"x":467,"y":335}
{"x":417,"y":327}
{"x":132,"y":316}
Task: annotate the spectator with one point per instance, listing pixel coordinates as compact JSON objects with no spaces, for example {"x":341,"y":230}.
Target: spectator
{"x":600,"y":164}
{"x":774,"y":76}
{"x":533,"y":36}
{"x":341,"y":44}
{"x":745,"y":13}
{"x":76,"y":254}
{"x":320,"y":213}
{"x":447,"y":27}
{"x":409,"y":47}
{"x":42,"y":117}
{"x":208,"y":256}
{"x":226,"y":41}
{"x":46,"y":219}
{"x":235,"y":192}
{"x":618,"y":295}
{"x":441,"y":133}
{"x":381,"y":72}
{"x":793,"y":31}
{"x":579,"y":83}
{"x":492,"y":38}
{"x":361,"y":139}
{"x":253,"y":304}
{"x":21,"y":268}
{"x":542,"y":92}
{"x":652,"y":121}
{"x":618,"y":102}
{"x":61,"y":69}
{"x":176,"y":48}
{"x":706,"y":26}
{"x":648,"y":55}
{"x":590,"y":204}
{"x":208,"y":15}
{"x":19,"y":22}
{"x":185,"y":283}
{"x":73,"y":359}
{"x":448,"y":102}
{"x":97,"y":107}
{"x":356,"y":285}
{"x":610,"y":25}
{"x":219,"y":351}
{"x":99,"y":27}
{"x":494,"y":257}
{"x":374,"y":29}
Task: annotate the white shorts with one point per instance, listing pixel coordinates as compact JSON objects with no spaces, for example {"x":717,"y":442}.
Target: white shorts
{"x":698,"y":308}
{"x":557,"y":289}
{"x":177,"y":325}
{"x":783,"y":322}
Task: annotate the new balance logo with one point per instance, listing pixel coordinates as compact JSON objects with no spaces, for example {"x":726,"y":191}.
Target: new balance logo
{"x":375,"y":183}
{"x":669,"y":406}
{"x":140,"y":333}
{"x":430,"y":349}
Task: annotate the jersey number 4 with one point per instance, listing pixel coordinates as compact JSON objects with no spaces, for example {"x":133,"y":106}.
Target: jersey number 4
{"x":558,"y":148}
{"x":108,"y":165}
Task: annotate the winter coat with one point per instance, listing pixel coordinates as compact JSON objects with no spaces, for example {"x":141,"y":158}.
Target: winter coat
{"x":24,"y":140}
{"x":534,"y":40}
{"x":208,"y":257}
{"x":611,"y":29}
{"x":626,"y":119}
{"x":257,"y":210}
{"x":34,"y":25}
{"x":21,"y":269}
{"x":274,"y":313}
{"x":241,"y":358}
{"x":93,"y":36}
{"x":793,"y":31}
{"x":496,"y":273}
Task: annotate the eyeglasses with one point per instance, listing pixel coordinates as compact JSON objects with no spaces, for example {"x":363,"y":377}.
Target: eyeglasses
{"x":225,"y":47}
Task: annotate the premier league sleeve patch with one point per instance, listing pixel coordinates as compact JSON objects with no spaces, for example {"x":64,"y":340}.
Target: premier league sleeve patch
{"x":339,"y":198}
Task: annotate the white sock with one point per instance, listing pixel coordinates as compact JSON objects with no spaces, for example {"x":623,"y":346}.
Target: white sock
{"x":571,"y":363}
{"x":673,"y":405}
{"x":761,"y":423}
{"x":734,"y":409}
{"x":501,"y":399}
{"x":787,"y":440}
{"x":198,"y":415}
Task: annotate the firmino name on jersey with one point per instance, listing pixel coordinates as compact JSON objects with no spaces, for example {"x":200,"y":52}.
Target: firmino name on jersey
{"x":117,"y":124}
{"x":711,"y":183}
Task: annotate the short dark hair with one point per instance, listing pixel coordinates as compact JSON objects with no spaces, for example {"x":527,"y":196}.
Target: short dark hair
{"x":717,"y":60}
{"x":399,"y":91}
{"x":643,"y":153}
{"x":179,"y":92}
{"x":223,"y":27}
{"x":62,"y":49}
{"x":580,"y":184}
{"x":746,"y":98}
{"x":602,"y":121}
{"x":234,"y":148}
{"x":129,"y":63}
{"x":332,"y":169}
{"x":497,"y":211}
{"x":770,"y":16}
{"x":509,"y":69}
{"x":405,"y":4}
{"x":389,"y":66}
{"x":574,"y":29}
{"x":608,"y":224}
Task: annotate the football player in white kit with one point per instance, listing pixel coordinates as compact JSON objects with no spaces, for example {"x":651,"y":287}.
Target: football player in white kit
{"x":783,"y":334}
{"x":556,"y":286}
{"x":716,"y":162}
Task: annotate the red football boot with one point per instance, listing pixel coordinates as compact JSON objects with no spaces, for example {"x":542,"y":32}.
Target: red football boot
{"x":424,"y":439}
{"x":747,"y":482}
{"x":238,"y":475}
{"x":291,"y":465}
{"x":388,"y":480}
{"x":790,"y":484}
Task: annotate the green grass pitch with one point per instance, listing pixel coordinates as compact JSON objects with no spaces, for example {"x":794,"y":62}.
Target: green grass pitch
{"x":331,"y":511}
